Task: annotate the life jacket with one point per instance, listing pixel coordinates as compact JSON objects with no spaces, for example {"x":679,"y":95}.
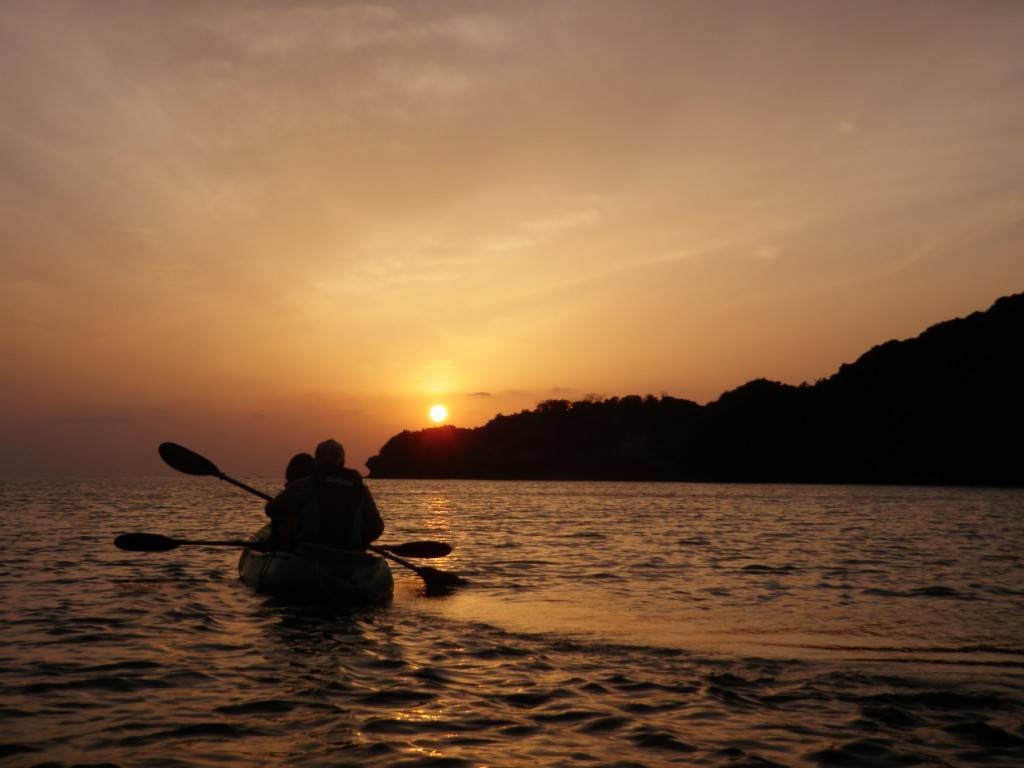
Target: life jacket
{"x":339,"y":494}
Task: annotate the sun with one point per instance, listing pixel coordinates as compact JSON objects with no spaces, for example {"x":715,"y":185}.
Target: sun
{"x":438,"y":413}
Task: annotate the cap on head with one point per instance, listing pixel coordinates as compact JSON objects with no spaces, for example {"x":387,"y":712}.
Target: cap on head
{"x":330,"y":453}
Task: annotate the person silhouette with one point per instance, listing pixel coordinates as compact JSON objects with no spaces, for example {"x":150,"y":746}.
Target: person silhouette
{"x":330,"y":505}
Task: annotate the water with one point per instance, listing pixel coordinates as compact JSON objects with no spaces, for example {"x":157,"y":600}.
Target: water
{"x":606,"y":624}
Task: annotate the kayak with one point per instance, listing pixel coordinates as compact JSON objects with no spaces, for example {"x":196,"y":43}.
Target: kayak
{"x":338,"y":576}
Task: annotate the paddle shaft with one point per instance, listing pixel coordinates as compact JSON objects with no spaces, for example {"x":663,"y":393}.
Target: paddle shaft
{"x":211,"y":543}
{"x":244,"y":487}
{"x":155,"y":542}
{"x":401,"y":561}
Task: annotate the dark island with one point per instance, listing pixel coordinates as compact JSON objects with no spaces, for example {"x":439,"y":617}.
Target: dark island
{"x":942,"y":408}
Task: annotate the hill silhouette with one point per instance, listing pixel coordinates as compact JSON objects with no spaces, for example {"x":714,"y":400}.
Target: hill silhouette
{"x":942,"y":408}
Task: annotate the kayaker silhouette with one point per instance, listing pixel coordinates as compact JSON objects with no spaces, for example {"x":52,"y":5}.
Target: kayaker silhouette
{"x":282,"y":511}
{"x":329,"y":506}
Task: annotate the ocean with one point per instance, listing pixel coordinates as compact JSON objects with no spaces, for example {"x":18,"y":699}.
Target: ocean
{"x":605,"y":624}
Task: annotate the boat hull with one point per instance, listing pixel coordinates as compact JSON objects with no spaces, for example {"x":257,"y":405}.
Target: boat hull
{"x":341,"y":577}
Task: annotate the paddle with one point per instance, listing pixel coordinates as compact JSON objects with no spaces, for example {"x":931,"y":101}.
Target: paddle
{"x":155,"y":542}
{"x":191,"y":463}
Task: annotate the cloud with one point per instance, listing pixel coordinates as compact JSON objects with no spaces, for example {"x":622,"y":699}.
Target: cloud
{"x":386,"y":262}
{"x":540,"y":229}
{"x":561,"y":222}
{"x":289,"y":31}
{"x":430,"y":82}
{"x":99,"y":420}
{"x":767,"y":253}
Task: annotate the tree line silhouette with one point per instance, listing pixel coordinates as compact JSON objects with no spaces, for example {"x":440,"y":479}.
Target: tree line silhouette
{"x":942,"y":408}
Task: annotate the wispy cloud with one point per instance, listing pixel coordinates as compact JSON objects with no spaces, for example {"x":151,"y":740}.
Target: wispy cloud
{"x":540,"y":229}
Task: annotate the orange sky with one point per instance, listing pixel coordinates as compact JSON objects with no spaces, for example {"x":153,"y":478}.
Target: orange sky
{"x":249,"y":226}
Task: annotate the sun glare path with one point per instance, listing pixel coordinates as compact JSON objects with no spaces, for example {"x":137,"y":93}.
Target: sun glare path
{"x":438,"y":413}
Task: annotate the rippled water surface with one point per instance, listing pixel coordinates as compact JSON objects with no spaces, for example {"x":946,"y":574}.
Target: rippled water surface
{"x":606,"y":624}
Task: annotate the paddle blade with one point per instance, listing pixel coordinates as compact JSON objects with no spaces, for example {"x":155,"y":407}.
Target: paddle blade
{"x":439,"y":582}
{"x":419,"y":549}
{"x":144,"y":542}
{"x":182,"y":459}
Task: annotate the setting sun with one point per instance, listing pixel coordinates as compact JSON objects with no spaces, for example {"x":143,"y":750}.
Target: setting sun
{"x":438,"y":413}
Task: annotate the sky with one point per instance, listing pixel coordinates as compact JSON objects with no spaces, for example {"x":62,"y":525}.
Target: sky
{"x":248,"y":226}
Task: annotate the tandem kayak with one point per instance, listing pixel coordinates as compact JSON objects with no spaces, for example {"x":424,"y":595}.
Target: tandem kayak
{"x":344,"y":577}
